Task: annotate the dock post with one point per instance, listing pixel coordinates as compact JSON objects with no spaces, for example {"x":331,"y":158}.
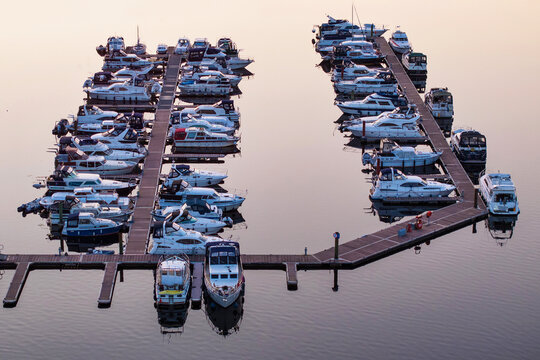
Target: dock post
{"x":474,"y":227}
{"x":336,"y":246}
{"x":476,"y":198}
{"x":336,"y":286}
{"x":120,"y":244}
{"x":292,"y":278}
{"x":364,"y":128}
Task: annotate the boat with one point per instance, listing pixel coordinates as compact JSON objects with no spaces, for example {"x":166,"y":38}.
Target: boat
{"x":333,"y":25}
{"x":469,"y":146}
{"x":197,"y":207}
{"x":183,"y":116}
{"x":393,"y":155}
{"x":223,"y":273}
{"x":180,"y":191}
{"x":197,"y":73}
{"x":208,"y":85}
{"x":121,"y":138}
{"x":229,"y":48}
{"x":223,"y":108}
{"x":408,"y":113}
{"x":195,"y":137}
{"x":182,"y":46}
{"x":350,"y":71}
{"x":366,"y":85}
{"x":394,"y":128}
{"x":169,"y":238}
{"x":161,"y":49}
{"x":65,"y":178}
{"x":499,"y":193}
{"x":371,"y":105}
{"x":329,"y":40}
{"x":88,"y":195}
{"x":192,"y":176}
{"x":392,"y":183}
{"x":208,"y":64}
{"x":139,"y":48}
{"x":415,"y":64}
{"x":399,"y":42}
{"x":82,"y":225}
{"x":172,"y":282}
{"x":187,"y":221}
{"x":115,"y":43}
{"x":93,"y":164}
{"x":440,"y":102}
{"x":201,"y":43}
{"x":501,"y":227}
{"x":73,"y":206}
{"x":92,"y":147}
{"x":123,"y":92}
{"x":210,"y":124}
{"x":119,"y":60}
{"x":357,"y":51}
{"x":93,"y":114}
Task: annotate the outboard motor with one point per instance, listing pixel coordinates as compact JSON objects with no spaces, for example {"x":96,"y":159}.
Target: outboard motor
{"x":61,"y":128}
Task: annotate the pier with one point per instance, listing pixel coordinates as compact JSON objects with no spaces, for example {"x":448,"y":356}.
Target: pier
{"x":466,"y":209}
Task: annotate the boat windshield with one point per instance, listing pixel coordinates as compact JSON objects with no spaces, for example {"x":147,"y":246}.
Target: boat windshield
{"x":94,"y":110}
{"x":223,"y":258}
{"x":504,"y":197}
{"x":476,"y":140}
{"x":115,"y":131}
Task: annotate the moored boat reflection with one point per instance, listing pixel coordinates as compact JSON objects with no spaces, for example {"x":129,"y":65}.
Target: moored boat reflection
{"x":224,"y":321}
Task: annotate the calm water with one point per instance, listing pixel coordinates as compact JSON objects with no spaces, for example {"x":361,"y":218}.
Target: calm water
{"x":464,"y":296}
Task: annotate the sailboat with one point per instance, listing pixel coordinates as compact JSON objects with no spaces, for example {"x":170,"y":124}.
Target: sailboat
{"x":139,"y":48}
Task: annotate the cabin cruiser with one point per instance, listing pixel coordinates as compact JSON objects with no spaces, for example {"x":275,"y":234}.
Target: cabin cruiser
{"x":440,"y":102}
{"x":197,"y":73}
{"x":327,"y":41}
{"x":216,"y":124}
{"x":180,"y":191}
{"x":93,"y":114}
{"x":392,"y":183}
{"x":209,"y":64}
{"x":89,"y":195}
{"x":194,"y":137}
{"x":86,"y":225}
{"x":469,"y":146}
{"x":371,"y":105}
{"x":182,"y":46}
{"x":185,"y":117}
{"x":230,"y":49}
{"x":120,"y":59}
{"x":65,"y":178}
{"x":381,"y":84}
{"x":72,"y":205}
{"x":415,"y":64}
{"x":121,"y":138}
{"x":208,"y":85}
{"x":197,"y":207}
{"x":93,"y":164}
{"x":358,"y":51}
{"x":140,"y":77}
{"x":333,"y":25}
{"x":223,"y":273}
{"x":351,"y":71}
{"x":93,"y":147}
{"x":193,"y":177}
{"x":400,"y":113}
{"x":124,"y":92}
{"x":169,"y":238}
{"x":223,"y":108}
{"x":173,"y":282}
{"x":499,"y":192}
{"x":393,"y":155}
{"x":134,"y":121}
{"x":187,"y":221}
{"x":399,"y":42}
{"x":388,"y":127}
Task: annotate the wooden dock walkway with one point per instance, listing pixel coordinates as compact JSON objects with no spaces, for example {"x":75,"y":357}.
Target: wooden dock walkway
{"x":142,"y":219}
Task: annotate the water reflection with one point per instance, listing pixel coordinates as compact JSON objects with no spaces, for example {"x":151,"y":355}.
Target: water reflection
{"x":501,"y":228}
{"x":224,"y":321}
{"x":393,"y":213}
{"x":172,"y":320}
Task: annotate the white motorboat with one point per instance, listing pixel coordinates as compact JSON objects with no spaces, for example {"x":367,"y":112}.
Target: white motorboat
{"x":399,"y":42}
{"x":65,"y":178}
{"x":469,"y":146}
{"x":133,"y":73}
{"x":400,"y":113}
{"x":440,"y":102}
{"x":83,"y":163}
{"x":180,"y":191}
{"x":201,"y":43}
{"x":208,"y":85}
{"x":387,"y":127}
{"x":119,"y":59}
{"x":123,"y":92}
{"x":201,"y":124}
{"x":197,"y":73}
{"x":187,"y":221}
{"x":393,"y":155}
{"x":120,"y":138}
{"x":223,"y":108}
{"x":223,"y":273}
{"x":327,"y":41}
{"x":358,"y":51}
{"x":89,"y":114}
{"x":195,"y":137}
{"x":499,"y":192}
{"x":371,"y":105}
{"x":173,"y":282}
{"x":230,"y":49}
{"x":196,"y":207}
{"x":352,"y":71}
{"x":74,"y":206}
{"x":415,"y":64}
{"x":186,"y":119}
{"x":392,"y":183}
{"x":92,"y":147}
{"x":381,"y":84}
{"x":333,"y":25}
{"x":169,"y":238}
{"x":209,"y":64}
{"x":182,"y":46}
{"x":88,"y":195}
{"x":193,"y":177}
{"x":86,"y":225}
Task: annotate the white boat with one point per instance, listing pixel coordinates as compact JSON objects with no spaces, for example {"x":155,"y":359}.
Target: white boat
{"x":381,"y":84}
{"x":180,"y":191}
{"x":197,"y":73}
{"x":399,"y":42}
{"x":208,"y":85}
{"x":86,"y":225}
{"x":125,"y":74}
{"x":333,"y":25}
{"x":169,"y":238}
{"x":201,"y":124}
{"x":83,"y":163}
{"x":92,"y":147}
{"x":89,"y":114}
{"x":230,"y":49}
{"x":392,"y":183}
{"x":120,"y":138}
{"x":352,"y":71}
{"x":415,"y":64}
{"x":74,"y":206}
{"x":65,"y":178}
{"x":223,"y":273}
{"x":469,"y":146}
{"x":200,"y":138}
{"x":223,"y":108}
{"x":187,"y":221}
{"x":393,"y":155}
{"x":115,"y":43}
{"x":187,"y":119}
{"x":121,"y":92}
{"x":371,"y":105}
{"x":119,"y":59}
{"x":89,"y":195}
{"x":440,"y":102}
{"x":209,"y":64}
{"x":499,"y":192}
{"x":193,"y":177}
{"x":173,"y":281}
{"x":358,"y":51}
{"x":392,"y":128}
{"x":400,"y":113}
{"x":182,"y":46}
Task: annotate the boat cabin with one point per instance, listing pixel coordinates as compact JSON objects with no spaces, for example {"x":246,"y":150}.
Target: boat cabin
{"x":179,"y":170}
